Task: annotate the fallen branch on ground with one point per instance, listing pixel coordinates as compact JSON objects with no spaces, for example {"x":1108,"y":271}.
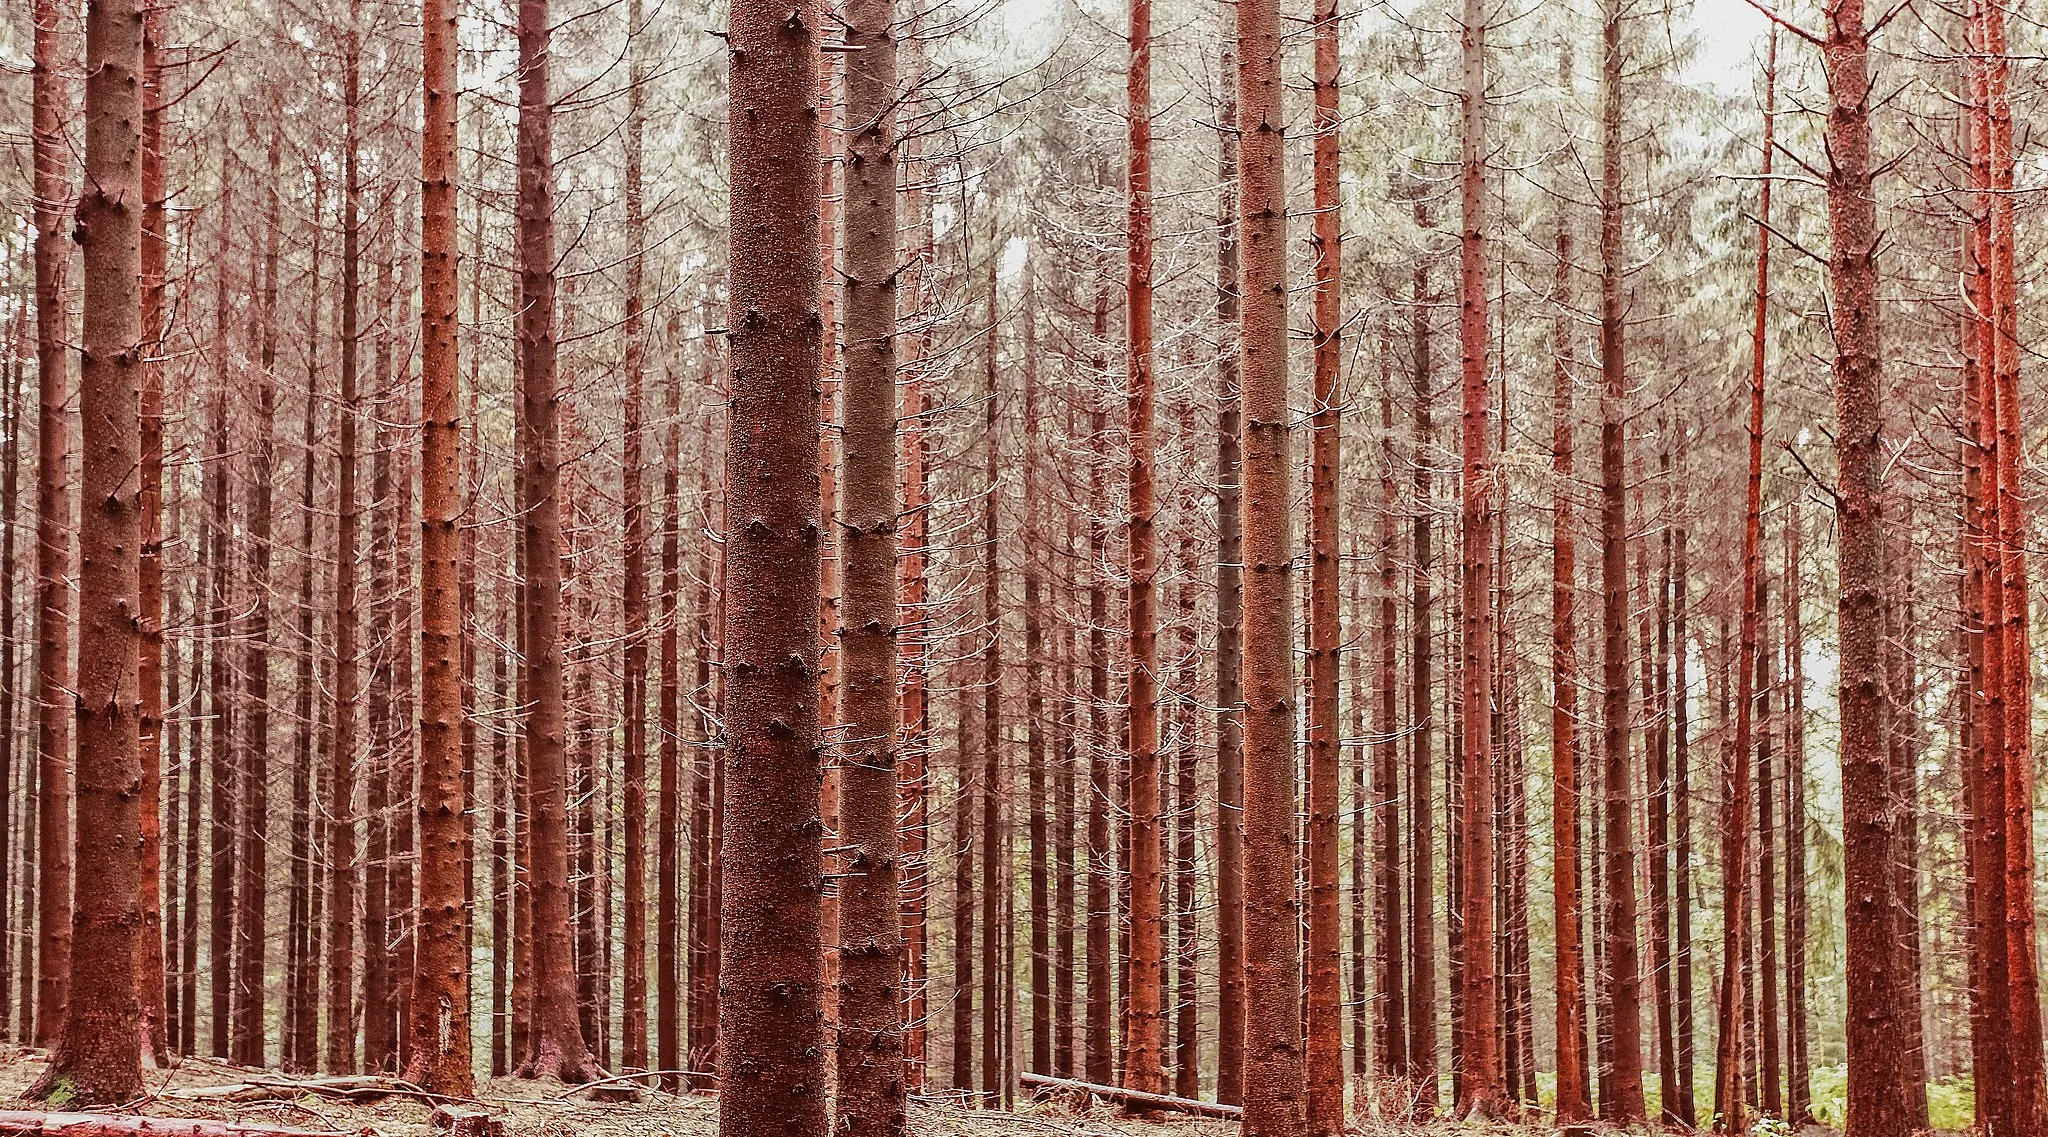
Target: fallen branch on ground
{"x":26,"y":1123}
{"x":1136,"y":1099}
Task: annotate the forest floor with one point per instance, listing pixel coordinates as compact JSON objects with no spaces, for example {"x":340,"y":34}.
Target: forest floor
{"x":550,"y":1109}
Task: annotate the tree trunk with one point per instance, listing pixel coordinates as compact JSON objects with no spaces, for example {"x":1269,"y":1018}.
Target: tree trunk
{"x":439,"y":1021}
{"x":558,"y":1046}
{"x":97,"y":1060}
{"x":155,"y":251}
{"x":1877,"y":1093}
{"x":870,"y":1099}
{"x":1422,"y":927}
{"x":1482,"y":1091}
{"x":1799,"y":1084}
{"x":1574,"y":1099}
{"x":633,"y":997}
{"x":1099,"y":1045}
{"x":1274,"y":1089}
{"x":1622,"y":1085}
{"x":1230,"y":943}
{"x":341,"y":880}
{"x":220,"y":697}
{"x":771,"y":1033}
{"x":1142,"y":1066}
{"x":1324,"y":993}
{"x":252,"y":860}
{"x":53,"y":531}
{"x":669,"y":931}
{"x":1681,"y":819}
{"x":1391,"y":940}
{"x":1039,"y":852}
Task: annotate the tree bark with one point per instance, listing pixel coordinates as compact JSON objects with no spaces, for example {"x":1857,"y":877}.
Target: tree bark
{"x":1422,"y":927}
{"x":557,"y":1047}
{"x":1324,"y":994}
{"x":341,"y":879}
{"x":633,"y":996}
{"x":98,"y":1057}
{"x":1622,"y":1084}
{"x":53,"y":531}
{"x":1876,"y":1092}
{"x":439,"y":1021}
{"x":871,"y":1090}
{"x":1481,"y":1082}
{"x":155,"y":252}
{"x":1274,"y":1088}
{"x":1574,"y":1098}
{"x":1142,"y":1065}
{"x":1230,"y":942}
{"x":771,"y":1029}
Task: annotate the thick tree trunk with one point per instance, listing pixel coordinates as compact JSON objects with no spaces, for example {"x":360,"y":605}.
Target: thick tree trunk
{"x":771,"y":1033}
{"x":440,"y":1045}
{"x":1274,"y":1089}
{"x":1142,"y":1065}
{"x":1099,"y":1044}
{"x":53,"y":531}
{"x":557,"y":1047}
{"x":870,"y":1099}
{"x":155,"y":251}
{"x":1324,"y":994}
{"x":1621,"y":1085}
{"x":1574,"y":1098}
{"x":1481,"y":1083}
{"x":1230,"y":944}
{"x":1877,"y":1091}
{"x":252,"y":860}
{"x":633,"y":997}
{"x":97,"y":1060}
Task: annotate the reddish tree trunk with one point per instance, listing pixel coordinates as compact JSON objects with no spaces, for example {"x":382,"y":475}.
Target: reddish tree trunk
{"x":994,"y":838}
{"x":914,"y":713}
{"x":252,"y":860}
{"x":771,"y":1034}
{"x":1324,"y":993}
{"x":669,"y":942}
{"x":1230,"y":959}
{"x":1274,"y":1089}
{"x":341,"y":880}
{"x":1574,"y":1099}
{"x":1799,"y":1086}
{"x":150,"y":665}
{"x":870,"y":1099}
{"x":1621,"y":1084}
{"x":633,"y":997}
{"x":1390,"y":936}
{"x":1681,"y":821}
{"x":220,"y":698}
{"x":1422,"y":928}
{"x":97,"y":1060}
{"x":1099,"y":1046}
{"x":53,"y":532}
{"x":1142,"y":1065}
{"x":1481,"y":1083}
{"x":557,"y":1046}
{"x":439,"y":1057}
{"x":1877,"y":1090}
{"x":1039,"y":852}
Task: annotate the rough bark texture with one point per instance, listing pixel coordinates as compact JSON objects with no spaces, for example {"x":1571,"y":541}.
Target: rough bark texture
{"x":439,"y":1020}
{"x":1574,"y":1099}
{"x":1422,"y":928}
{"x":341,"y":779}
{"x":870,"y":1099}
{"x":1229,"y":854}
{"x":1876,"y":1090}
{"x":1274,"y":1091}
{"x":155,"y":253}
{"x":557,"y":1046}
{"x":1481,"y":1082}
{"x":771,"y":1028}
{"x":1729,"y":1093}
{"x":1621,"y":1082}
{"x":1142,"y":1064}
{"x":98,"y":1057}
{"x":53,"y":534}
{"x":1325,"y":992}
{"x":633,"y":974}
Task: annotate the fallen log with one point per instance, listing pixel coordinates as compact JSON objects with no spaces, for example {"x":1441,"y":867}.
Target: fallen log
{"x":359,"y":1088}
{"x":28,"y":1123}
{"x":1132,"y":1099}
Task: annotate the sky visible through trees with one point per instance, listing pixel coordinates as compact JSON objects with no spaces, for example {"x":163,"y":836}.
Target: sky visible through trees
{"x":1315,"y":563}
